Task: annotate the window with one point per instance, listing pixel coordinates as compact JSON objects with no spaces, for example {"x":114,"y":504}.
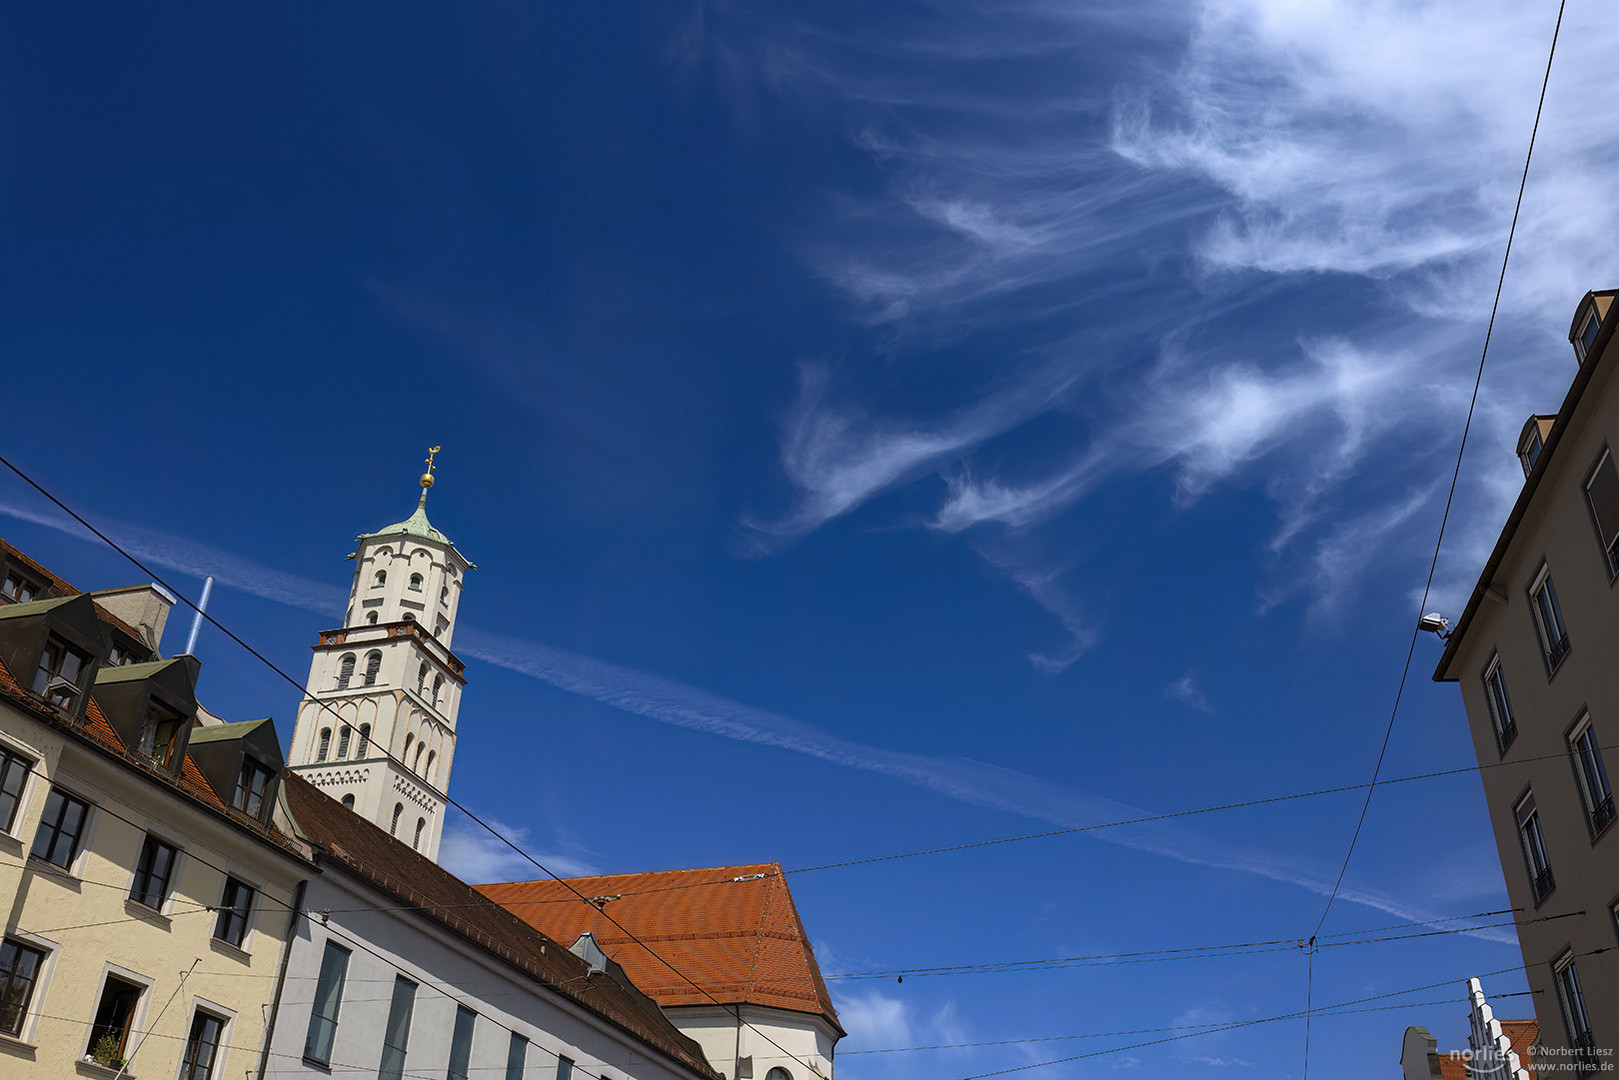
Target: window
{"x":416,"y":766}
{"x":461,"y":1043}
{"x":396,"y":1035}
{"x":235,"y":905}
{"x":1495,"y":693}
{"x":380,"y":580}
{"x":345,"y":671}
{"x":62,"y":673}
{"x":371,"y":618}
{"x":421,"y":678}
{"x":1602,"y":496}
{"x":18,"y":588}
{"x":1534,"y":849}
{"x":1530,"y":446}
{"x":416,"y":842}
{"x":365,"y":740}
{"x":19,"y":972}
{"x":373,"y":664}
{"x":1594,"y":789}
{"x":1548,"y":619}
{"x":109,"y":1035}
{"x":1588,"y":334}
{"x":325,"y":744}
{"x":778,"y":1073}
{"x":440,"y":625}
{"x":416,"y":582}
{"x":162,"y":734}
{"x":410,"y":616}
{"x":444,"y":596}
{"x":438,"y":687}
{"x":334,"y":967}
{"x":13,"y":777}
{"x":153,"y":873}
{"x":348,"y":800}
{"x":202,"y":1045}
{"x":252,"y":785}
{"x":393,"y":826}
{"x":516,"y":1057}
{"x":564,"y":1068}
{"x":343,"y":735}
{"x":404,"y":759}
{"x":1576,"y":1020}
{"x":61,"y":827}
{"x":431,"y":754}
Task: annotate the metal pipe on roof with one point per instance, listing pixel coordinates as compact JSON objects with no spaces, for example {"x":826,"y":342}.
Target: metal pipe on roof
{"x":196,"y":621}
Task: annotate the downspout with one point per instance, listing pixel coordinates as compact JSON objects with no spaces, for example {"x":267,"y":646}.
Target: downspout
{"x":736,"y":1055}
{"x":281,"y":974}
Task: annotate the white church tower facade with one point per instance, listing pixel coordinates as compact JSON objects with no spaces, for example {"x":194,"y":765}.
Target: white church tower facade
{"x":376,"y":728}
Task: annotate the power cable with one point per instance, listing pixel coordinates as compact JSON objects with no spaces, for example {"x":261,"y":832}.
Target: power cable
{"x":1444,"y":520}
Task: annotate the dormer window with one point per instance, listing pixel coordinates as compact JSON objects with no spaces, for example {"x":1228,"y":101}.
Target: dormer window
{"x":61,"y":674}
{"x":1588,"y":334}
{"x":20,"y":589}
{"x":1529,"y":450}
{"x":163,"y":726}
{"x":250,"y":788}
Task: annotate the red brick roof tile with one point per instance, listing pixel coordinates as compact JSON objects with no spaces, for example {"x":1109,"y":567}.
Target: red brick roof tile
{"x":732,"y":930}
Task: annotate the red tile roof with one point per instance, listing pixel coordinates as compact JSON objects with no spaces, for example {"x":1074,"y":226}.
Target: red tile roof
{"x":369,"y":853}
{"x":58,"y":587}
{"x":732,"y":930}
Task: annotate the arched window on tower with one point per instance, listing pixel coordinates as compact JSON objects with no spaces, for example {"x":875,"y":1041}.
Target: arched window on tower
{"x":416,"y":582}
{"x":345,"y":671}
{"x":325,"y":744}
{"x":365,"y":740}
{"x":778,"y":1073}
{"x":431,"y":754}
{"x":421,"y":678}
{"x":421,"y":823}
{"x":348,"y":800}
{"x":393,"y":826}
{"x":444,"y":596}
{"x":404,"y":759}
{"x":417,"y":767}
{"x":344,"y":734}
{"x":438,"y":688}
{"x":410,"y":616}
{"x":371,"y":618}
{"x":373,"y":664}
{"x":380,"y":580}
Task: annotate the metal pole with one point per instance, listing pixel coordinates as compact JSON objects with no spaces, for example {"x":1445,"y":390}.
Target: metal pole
{"x":196,"y":622}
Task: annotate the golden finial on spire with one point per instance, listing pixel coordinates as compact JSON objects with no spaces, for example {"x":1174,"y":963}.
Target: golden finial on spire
{"x":427,"y":477}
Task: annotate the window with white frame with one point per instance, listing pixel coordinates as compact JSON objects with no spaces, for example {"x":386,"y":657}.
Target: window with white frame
{"x":1500,"y":704}
{"x":344,"y":734}
{"x":334,"y":967}
{"x":1571,"y":999}
{"x":114,"y":1018}
{"x":21,"y":966}
{"x":62,"y":674}
{"x":202,"y":1046}
{"x":373,"y":664}
{"x":235,"y":908}
{"x":14,"y":770}
{"x":154,"y":873}
{"x":1533,"y":840}
{"x":1548,"y":616}
{"x":1587,"y":336}
{"x":1592,"y":776}
{"x":61,"y":829}
{"x":396,"y":1036}
{"x":1602,"y":496}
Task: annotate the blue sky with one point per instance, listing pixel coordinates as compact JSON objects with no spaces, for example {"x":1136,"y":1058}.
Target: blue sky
{"x":878,"y":427}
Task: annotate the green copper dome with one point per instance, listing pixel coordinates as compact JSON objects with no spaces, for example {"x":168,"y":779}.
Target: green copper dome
{"x":418,"y":526}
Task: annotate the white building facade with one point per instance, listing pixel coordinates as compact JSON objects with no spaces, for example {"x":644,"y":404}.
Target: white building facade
{"x":377,"y":726}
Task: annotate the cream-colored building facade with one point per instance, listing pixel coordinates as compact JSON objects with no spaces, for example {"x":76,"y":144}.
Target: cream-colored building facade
{"x":1533,"y":653}
{"x":147,"y":899}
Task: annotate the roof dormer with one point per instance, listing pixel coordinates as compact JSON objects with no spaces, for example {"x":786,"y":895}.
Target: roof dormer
{"x":54,"y":648}
{"x":1532,"y":440}
{"x":243,"y":763}
{"x":1589,"y":317}
{"x":152,"y":707}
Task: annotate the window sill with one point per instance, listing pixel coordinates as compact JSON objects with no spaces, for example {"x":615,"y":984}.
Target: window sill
{"x":91,"y":1068}
{"x":56,"y":873}
{"x":225,"y":948}
{"x":11,"y":845}
{"x":146,"y":914}
{"x":322,"y":1066}
{"x":10,"y":1044}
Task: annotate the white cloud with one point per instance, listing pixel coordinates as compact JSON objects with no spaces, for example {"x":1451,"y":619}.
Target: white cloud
{"x":470,"y":853}
{"x":1186,"y":691}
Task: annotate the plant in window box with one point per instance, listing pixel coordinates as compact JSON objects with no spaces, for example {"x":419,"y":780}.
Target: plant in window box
{"x":105,"y":1053}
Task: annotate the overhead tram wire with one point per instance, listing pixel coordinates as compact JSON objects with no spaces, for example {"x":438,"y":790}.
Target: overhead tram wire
{"x":1444,"y":520}
{"x":326,"y":707}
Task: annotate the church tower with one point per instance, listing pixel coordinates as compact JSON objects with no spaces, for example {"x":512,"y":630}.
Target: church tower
{"x":376,"y":727}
